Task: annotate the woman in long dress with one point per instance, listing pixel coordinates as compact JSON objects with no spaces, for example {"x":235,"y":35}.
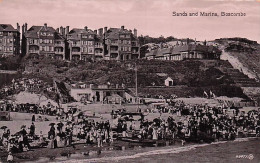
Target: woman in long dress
{"x":59,"y":139}
{"x":155,"y":137}
{"x":51,"y":142}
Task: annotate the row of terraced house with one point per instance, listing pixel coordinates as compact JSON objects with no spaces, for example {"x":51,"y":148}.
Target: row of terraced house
{"x":63,"y":43}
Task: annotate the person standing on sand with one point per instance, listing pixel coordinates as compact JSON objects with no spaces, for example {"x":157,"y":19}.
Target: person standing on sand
{"x":10,"y":157}
{"x":33,"y":118}
{"x":99,"y":138}
{"x":32,"y":130}
{"x":51,"y":135}
{"x":155,"y":136}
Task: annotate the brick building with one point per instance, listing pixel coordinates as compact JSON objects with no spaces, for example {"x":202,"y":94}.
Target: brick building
{"x":43,"y":41}
{"x":84,"y":44}
{"x":9,"y":40}
{"x":121,"y":44}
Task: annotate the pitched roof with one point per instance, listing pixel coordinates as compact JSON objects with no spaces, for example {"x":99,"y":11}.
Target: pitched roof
{"x":33,"y":32}
{"x":74,"y":33}
{"x":166,"y":50}
{"x":7,"y":27}
{"x":152,"y":53}
{"x":113,"y":33}
{"x":182,"y":48}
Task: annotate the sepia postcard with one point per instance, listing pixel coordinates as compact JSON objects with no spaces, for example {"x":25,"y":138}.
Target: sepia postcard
{"x":94,"y":81}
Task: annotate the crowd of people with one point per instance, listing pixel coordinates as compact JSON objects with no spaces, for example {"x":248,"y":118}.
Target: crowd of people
{"x":184,"y":122}
{"x":34,"y":85}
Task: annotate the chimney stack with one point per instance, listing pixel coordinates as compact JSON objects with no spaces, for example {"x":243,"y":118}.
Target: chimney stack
{"x":45,"y":25}
{"x":95,"y":31}
{"x":25,"y":27}
{"x":18,"y":27}
{"x":105,"y":29}
{"x":100,"y":31}
{"x":67,"y":30}
{"x":61,"y":30}
{"x":122,"y":27}
{"x":86,"y":28}
{"x":135,"y":32}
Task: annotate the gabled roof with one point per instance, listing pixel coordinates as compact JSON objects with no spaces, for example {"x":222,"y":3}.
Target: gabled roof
{"x":113,"y":33}
{"x":7,"y":27}
{"x":33,"y":32}
{"x":78,"y":31}
{"x":74,"y":33}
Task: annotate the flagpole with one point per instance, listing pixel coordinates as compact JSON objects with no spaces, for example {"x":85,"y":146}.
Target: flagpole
{"x":136,"y":85}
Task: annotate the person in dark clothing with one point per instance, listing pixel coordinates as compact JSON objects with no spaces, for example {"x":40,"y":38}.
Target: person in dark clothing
{"x":32,"y":130}
{"x":33,"y":118}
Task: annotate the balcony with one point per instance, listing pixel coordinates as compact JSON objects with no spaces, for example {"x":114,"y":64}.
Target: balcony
{"x":113,"y":50}
{"x":76,"y":45}
{"x":33,"y":43}
{"x":33,"y":51}
{"x":99,"y":54}
{"x":60,"y":44}
{"x":98,"y":46}
{"x":75,"y":53}
{"x":114,"y":43}
{"x":59,"y":52}
{"x":135,"y":52}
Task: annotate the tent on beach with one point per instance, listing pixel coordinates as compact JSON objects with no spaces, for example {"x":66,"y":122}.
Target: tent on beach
{"x":31,"y":98}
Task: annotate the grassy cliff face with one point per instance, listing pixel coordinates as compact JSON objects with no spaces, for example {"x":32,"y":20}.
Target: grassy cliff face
{"x":191,"y":77}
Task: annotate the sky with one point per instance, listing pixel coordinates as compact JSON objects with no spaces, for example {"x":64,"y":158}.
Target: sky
{"x":149,"y":17}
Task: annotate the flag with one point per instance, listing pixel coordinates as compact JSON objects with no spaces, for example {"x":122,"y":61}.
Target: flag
{"x":213,"y":95}
{"x":205,"y":93}
{"x":210,"y":94}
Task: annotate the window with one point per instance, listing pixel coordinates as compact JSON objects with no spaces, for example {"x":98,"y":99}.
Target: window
{"x":90,"y":50}
{"x":1,"y":33}
{"x":90,"y":42}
